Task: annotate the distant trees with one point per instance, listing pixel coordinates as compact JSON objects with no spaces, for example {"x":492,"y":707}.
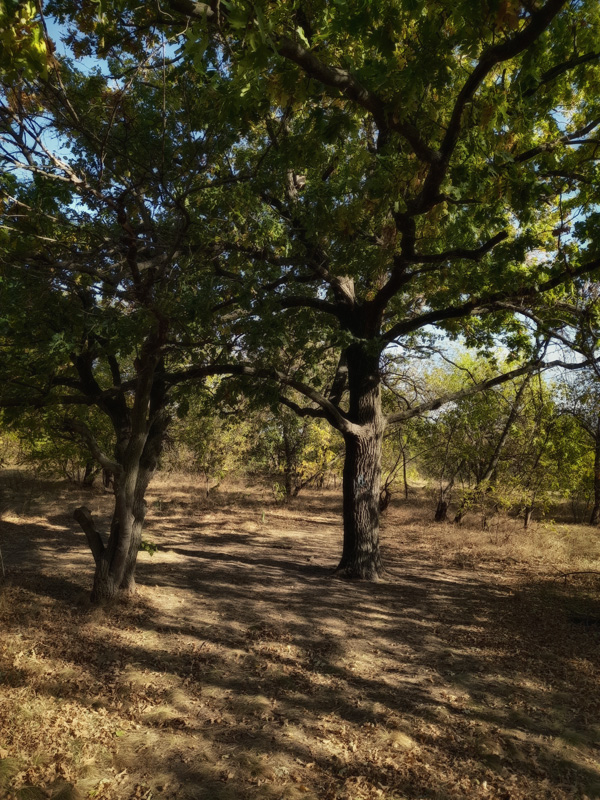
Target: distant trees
{"x":581,"y":400}
{"x":293,"y":452}
{"x":510,"y":449}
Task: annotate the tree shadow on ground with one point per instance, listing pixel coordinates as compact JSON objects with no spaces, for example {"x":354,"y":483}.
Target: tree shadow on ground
{"x":264,"y":676}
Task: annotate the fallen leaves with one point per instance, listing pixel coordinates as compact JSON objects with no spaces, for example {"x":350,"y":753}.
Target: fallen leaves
{"x":430,"y":684}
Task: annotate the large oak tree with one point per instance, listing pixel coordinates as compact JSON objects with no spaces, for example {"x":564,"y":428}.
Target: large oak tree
{"x":422,"y":168}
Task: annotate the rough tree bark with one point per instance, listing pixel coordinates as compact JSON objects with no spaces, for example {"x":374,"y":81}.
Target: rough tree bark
{"x":362,"y":467}
{"x":139,"y":430}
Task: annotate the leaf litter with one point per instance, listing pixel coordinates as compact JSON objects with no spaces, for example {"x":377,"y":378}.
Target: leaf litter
{"x":248,"y":671}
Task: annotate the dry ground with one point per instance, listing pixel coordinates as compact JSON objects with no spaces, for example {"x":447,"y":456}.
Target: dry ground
{"x":245,"y":670}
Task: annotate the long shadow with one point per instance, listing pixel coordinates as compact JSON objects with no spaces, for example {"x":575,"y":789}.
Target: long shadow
{"x":408,"y":698}
{"x":460,"y":660}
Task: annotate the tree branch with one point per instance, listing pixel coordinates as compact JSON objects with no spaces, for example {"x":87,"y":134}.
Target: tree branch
{"x":332,"y":412}
{"x":334,"y":77}
{"x":450,"y":397}
{"x":560,"y":69}
{"x":475,"y":254}
{"x":489,"y":303}
{"x":82,"y":430}
{"x":539,"y":21}
{"x":346,"y":83}
{"x":301,"y":411}
{"x":548,"y":147}
{"x":85,"y":520}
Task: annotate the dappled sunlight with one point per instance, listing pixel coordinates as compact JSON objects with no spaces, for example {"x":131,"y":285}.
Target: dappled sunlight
{"x":245,"y":669}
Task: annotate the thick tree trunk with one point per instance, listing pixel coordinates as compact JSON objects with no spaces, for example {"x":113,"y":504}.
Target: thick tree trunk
{"x":362,"y":468}
{"x":361,"y":484}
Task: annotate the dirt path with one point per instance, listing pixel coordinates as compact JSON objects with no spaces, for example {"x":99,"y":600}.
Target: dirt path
{"x":245,"y":670}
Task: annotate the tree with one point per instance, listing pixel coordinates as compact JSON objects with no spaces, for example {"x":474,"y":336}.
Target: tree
{"x":438,"y":198}
{"x":412,"y":170}
{"x":105,"y":268}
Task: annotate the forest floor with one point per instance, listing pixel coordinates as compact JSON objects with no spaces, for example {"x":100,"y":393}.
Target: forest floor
{"x":245,"y":670}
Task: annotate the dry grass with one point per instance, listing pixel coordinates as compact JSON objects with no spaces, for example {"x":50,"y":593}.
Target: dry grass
{"x":244,"y":670}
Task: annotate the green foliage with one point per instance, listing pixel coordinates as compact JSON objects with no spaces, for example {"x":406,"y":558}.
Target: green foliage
{"x":23,"y":49}
{"x":295,"y":452}
{"x":148,"y":547}
{"x":369,"y":150}
{"x":205,"y":440}
{"x":543,"y":457}
{"x":42,"y":442}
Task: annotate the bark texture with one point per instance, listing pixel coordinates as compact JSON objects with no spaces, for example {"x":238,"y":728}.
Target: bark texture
{"x":362,"y":467}
{"x":139,"y":430}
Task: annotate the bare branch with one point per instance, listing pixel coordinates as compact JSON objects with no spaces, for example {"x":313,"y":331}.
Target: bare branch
{"x":498,"y":380}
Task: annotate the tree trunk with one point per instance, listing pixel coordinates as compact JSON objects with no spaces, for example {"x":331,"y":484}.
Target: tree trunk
{"x":115,"y":567}
{"x":90,"y":472}
{"x":404,"y":476}
{"x":116,"y":561}
{"x":441,"y":512}
{"x":362,"y":468}
{"x":139,"y":430}
{"x":289,"y":470}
